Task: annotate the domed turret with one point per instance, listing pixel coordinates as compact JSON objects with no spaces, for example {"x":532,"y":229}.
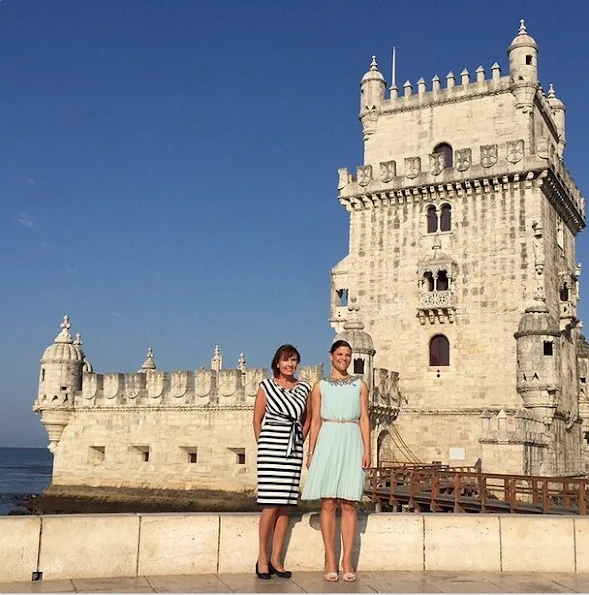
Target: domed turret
{"x":558,"y":113}
{"x":63,"y":349}
{"x":372,"y":90}
{"x":62,"y":365}
{"x":538,"y":360}
{"x":362,"y":345}
{"x":523,"y":67}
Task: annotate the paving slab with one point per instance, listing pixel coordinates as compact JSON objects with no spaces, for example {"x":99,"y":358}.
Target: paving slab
{"x":61,"y":586}
{"x":199,"y":583}
{"x":576,"y":582}
{"x":313,"y":582}
{"x":527,"y":582}
{"x":250,"y":583}
{"x":399,"y":582}
{"x":113,"y":585}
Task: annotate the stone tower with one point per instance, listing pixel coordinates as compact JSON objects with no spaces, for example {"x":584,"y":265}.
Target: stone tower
{"x":62,"y":366}
{"x":462,"y":257}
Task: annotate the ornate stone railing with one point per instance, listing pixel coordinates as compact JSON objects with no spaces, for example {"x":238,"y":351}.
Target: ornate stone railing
{"x":437,"y":299}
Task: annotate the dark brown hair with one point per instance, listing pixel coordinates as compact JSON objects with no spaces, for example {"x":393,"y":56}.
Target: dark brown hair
{"x":284,"y":352}
{"x":337,"y":344}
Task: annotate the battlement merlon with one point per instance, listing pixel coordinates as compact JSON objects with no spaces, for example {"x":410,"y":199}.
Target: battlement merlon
{"x":180,"y":388}
{"x":498,"y":166}
{"x":437,"y":94}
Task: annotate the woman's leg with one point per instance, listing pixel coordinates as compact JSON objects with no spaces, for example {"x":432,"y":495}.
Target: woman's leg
{"x":267,"y":522}
{"x":349,"y":519}
{"x":280,"y":528}
{"x":327,"y":522}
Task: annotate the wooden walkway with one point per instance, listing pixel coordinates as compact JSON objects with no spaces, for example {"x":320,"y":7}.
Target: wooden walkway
{"x":439,"y":488}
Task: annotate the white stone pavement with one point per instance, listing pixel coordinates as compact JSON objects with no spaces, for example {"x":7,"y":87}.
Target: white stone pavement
{"x":313,"y":582}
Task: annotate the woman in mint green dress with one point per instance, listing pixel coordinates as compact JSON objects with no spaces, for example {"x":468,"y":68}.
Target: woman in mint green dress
{"x":339,"y":452}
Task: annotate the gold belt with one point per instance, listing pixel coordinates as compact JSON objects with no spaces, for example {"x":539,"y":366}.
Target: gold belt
{"x":342,"y":421}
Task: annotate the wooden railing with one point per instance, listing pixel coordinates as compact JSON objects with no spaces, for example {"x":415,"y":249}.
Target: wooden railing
{"x":440,"y":488}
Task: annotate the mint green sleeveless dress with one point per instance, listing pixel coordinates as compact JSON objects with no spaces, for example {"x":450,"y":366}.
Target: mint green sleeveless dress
{"x":336,"y":468}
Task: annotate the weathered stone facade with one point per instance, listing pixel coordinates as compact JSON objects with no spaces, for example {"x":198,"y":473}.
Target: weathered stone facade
{"x":461,"y":276}
{"x":462,"y":261}
{"x":176,"y":430}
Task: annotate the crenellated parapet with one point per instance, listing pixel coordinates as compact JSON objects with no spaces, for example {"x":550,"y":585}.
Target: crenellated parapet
{"x":513,"y":427}
{"x":179,"y":388}
{"x":452,"y":90}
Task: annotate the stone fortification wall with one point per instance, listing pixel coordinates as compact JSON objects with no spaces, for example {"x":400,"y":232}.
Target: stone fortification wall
{"x":180,"y":430}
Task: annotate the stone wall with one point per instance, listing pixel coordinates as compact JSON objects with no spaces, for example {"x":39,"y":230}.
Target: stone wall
{"x":126,"y":545}
{"x":489,"y":152}
{"x":185,"y":448}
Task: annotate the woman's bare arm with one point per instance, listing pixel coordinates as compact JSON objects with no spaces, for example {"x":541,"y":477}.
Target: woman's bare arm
{"x":365,"y":425}
{"x":315,"y":420}
{"x":259,"y":411}
{"x":307,"y":416}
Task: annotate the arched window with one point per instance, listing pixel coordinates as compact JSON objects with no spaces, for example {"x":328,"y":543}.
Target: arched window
{"x":446,"y":218}
{"x":432,"y":219}
{"x":445,"y":150}
{"x":442,"y":281}
{"x":564,"y":293}
{"x":358,"y":366}
{"x":439,"y":351}
{"x":429,"y":281}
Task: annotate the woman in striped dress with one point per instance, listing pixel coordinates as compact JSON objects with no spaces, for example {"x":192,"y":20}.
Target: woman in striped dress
{"x":281,"y":424}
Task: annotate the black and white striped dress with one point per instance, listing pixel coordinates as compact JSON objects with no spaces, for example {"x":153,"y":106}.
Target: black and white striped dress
{"x":280,"y":445}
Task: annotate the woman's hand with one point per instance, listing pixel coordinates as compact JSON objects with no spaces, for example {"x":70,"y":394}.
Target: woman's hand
{"x":366,"y":460}
{"x":309,"y":457}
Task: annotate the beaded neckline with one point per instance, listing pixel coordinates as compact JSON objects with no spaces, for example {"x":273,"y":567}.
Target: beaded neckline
{"x":283,"y":387}
{"x":341,"y":381}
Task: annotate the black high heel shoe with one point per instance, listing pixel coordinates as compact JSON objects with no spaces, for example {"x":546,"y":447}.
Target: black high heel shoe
{"x":279,"y":573}
{"x":263,"y":575}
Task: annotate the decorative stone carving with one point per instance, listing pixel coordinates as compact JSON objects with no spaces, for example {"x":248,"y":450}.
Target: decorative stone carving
{"x":155,"y":384}
{"x":252,"y":379}
{"x":412,"y":167}
{"x":463,"y":159}
{"x":90,"y":386}
{"x":488,"y":155}
{"x":437,"y":299}
{"x":179,"y":383}
{"x":343,"y":178}
{"x":228,"y":382}
{"x":388,"y":170}
{"x":542,"y":147}
{"x":435,"y":164}
{"x":202,"y":383}
{"x":364,"y":175}
{"x":539,"y":292}
{"x":515,"y":151}
{"x":111,"y":385}
{"x":132,"y":385}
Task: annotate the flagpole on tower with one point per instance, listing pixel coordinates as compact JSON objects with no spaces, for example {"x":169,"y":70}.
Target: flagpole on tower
{"x":394,"y":79}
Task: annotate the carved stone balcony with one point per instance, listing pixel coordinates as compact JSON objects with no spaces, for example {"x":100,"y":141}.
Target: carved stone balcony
{"x":436,"y":305}
{"x":568,"y":315}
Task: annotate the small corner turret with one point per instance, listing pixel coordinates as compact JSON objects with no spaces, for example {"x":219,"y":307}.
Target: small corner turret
{"x":558,"y":114}
{"x":523,"y":68}
{"x":62,"y":366}
{"x":372,"y":91}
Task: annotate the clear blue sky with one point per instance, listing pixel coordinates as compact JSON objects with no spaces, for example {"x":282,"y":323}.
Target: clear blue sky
{"x":169,"y":168}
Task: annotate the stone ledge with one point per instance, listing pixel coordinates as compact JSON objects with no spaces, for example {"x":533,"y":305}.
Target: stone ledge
{"x":116,"y":545}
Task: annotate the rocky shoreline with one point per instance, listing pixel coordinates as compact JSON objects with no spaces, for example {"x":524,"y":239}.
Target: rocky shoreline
{"x":86,"y":500}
